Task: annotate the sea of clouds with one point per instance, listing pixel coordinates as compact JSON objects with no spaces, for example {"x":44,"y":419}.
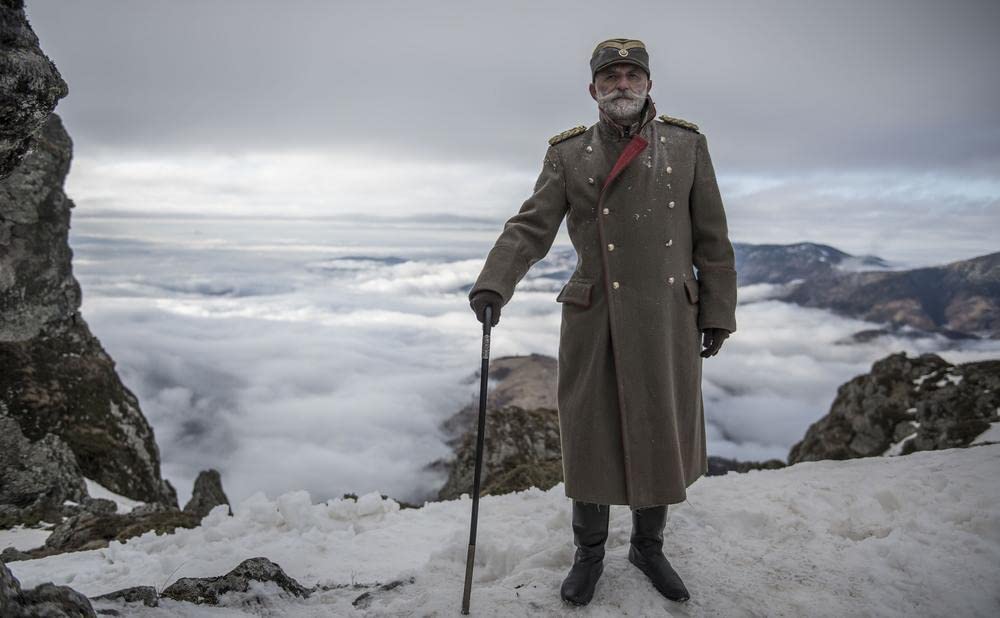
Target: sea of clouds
{"x":323,"y":353}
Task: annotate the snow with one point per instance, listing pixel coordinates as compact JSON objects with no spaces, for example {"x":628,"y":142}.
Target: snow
{"x":96,"y":490}
{"x":23,"y":538}
{"x":954,"y":378}
{"x":896,"y":536}
{"x":896,"y":448}
{"x":990,"y":435}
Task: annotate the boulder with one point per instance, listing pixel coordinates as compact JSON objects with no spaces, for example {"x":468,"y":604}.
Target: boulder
{"x":904,"y":405}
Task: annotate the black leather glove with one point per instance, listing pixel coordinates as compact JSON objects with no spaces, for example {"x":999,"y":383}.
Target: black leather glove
{"x":482,"y":299}
{"x":712,"y":339}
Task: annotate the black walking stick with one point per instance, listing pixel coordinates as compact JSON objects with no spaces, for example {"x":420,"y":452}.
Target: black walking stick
{"x":470,"y":558}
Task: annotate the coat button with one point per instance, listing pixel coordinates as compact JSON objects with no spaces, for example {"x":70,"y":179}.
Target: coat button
{"x":670,"y":242}
{"x":614,"y":284}
{"x":670,"y":170}
{"x":670,"y":280}
{"x":589,"y":149}
{"x":590,"y":180}
{"x":671,"y":204}
{"x":611,"y":246}
{"x":606,"y":211}
{"x":663,"y":140}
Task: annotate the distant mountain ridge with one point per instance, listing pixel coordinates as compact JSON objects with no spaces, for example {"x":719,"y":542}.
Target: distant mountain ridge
{"x":804,"y":260}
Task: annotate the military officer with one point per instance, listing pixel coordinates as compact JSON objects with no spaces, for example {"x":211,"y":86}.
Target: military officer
{"x":643,"y":210}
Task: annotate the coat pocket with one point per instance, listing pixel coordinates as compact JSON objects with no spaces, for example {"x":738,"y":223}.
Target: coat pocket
{"x":691,"y":286}
{"x":576,"y":293}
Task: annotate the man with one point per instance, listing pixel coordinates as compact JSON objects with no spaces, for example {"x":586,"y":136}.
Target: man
{"x":643,"y":208}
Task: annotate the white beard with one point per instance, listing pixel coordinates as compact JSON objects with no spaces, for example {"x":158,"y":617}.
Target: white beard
{"x":622,"y":109}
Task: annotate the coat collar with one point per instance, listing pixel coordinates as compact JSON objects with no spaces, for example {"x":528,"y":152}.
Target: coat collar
{"x":615,"y":130}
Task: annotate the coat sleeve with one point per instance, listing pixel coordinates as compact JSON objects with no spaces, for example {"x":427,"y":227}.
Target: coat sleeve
{"x":528,"y":235}
{"x":713,"y":254}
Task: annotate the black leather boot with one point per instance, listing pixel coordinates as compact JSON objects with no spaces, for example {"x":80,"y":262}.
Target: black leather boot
{"x":590,"y":531}
{"x":646,"y":552}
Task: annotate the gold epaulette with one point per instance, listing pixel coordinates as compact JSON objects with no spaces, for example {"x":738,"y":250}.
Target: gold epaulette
{"x":568,"y":133}
{"x":679,"y":122}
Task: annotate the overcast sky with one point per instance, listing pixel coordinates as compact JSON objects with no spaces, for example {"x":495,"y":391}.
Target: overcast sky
{"x":823,"y":111}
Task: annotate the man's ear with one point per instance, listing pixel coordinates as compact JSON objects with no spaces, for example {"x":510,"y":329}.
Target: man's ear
{"x":593,"y":91}
{"x":649,"y":86}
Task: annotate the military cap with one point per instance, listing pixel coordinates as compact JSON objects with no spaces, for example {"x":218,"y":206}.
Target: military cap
{"x":619,"y":50}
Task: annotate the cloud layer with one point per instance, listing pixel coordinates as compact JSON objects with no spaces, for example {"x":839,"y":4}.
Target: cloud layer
{"x":322,"y":355}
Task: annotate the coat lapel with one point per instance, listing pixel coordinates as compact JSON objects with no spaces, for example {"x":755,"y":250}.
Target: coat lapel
{"x":632,"y":150}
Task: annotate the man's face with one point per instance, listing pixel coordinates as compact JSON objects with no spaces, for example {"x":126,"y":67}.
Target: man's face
{"x":620,"y":90}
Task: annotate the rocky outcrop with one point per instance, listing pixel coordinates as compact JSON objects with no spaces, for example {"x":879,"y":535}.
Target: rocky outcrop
{"x":57,"y":379}
{"x":957,"y":300}
{"x":527,"y":382}
{"x":61,"y":601}
{"x":30,"y":85}
{"x":521,"y":450}
{"x":207,"y":590}
{"x":207,"y":494}
{"x":46,"y":600}
{"x":93,"y":523}
{"x":36,"y":478}
{"x":904,"y":405}
{"x":720,"y":466}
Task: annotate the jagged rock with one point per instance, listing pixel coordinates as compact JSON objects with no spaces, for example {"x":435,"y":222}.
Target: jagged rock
{"x":137,"y":594}
{"x":719,"y":466}
{"x":57,"y":377}
{"x":363,"y":600}
{"x":522,"y":450}
{"x":206,"y":590}
{"x":94,"y":531}
{"x":905,"y":404}
{"x":36,"y":478}
{"x":99,"y":506}
{"x":12,"y":554}
{"x":30,"y":85}
{"x":46,"y":600}
{"x":207,"y":494}
{"x":37,"y":287}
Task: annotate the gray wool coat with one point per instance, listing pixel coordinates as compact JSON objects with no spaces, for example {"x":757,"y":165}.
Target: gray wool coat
{"x":631,"y":415}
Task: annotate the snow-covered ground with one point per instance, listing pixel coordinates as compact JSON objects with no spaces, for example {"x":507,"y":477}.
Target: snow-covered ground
{"x":917,"y":535}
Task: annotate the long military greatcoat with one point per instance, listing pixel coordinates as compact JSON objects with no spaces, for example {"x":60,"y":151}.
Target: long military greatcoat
{"x":631,"y":415}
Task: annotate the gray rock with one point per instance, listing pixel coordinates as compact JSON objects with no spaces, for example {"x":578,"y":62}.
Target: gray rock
{"x":522,"y":450}
{"x":93,"y":531}
{"x":720,"y":466}
{"x":35,"y":477}
{"x":207,"y":494}
{"x":99,"y":506}
{"x":29,"y":89}
{"x":46,"y":600}
{"x":12,"y":554}
{"x":136,"y":594}
{"x":924,"y":400}
{"x":57,"y":377}
{"x":206,"y":590}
